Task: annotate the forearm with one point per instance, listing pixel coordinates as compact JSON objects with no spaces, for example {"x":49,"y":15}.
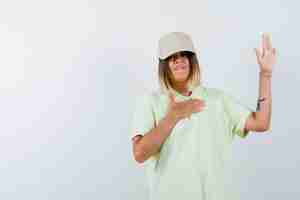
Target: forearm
{"x":264,"y":108}
{"x":152,"y":141}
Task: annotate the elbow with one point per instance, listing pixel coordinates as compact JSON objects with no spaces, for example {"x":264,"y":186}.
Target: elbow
{"x":139,"y":155}
{"x":138,"y":152}
{"x":264,"y":127}
{"x":267,"y":128}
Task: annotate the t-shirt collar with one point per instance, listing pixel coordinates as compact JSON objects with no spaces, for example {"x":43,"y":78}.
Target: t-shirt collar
{"x":191,"y":89}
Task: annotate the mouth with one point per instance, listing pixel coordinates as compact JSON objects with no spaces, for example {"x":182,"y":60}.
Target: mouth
{"x":180,"y":68}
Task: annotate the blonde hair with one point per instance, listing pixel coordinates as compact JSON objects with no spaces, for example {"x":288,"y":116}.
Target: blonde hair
{"x":164,"y":74}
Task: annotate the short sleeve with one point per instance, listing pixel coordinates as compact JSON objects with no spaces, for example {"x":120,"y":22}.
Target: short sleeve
{"x":238,"y":114}
{"x":142,"y":120}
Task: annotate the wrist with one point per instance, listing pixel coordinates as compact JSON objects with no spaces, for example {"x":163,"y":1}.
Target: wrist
{"x":265,"y":73}
{"x":172,"y":118}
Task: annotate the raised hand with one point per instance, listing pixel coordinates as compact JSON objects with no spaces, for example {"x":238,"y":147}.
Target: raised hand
{"x":266,"y":56}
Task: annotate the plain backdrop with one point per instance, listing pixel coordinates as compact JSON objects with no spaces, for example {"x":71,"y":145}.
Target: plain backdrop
{"x":71,"y":70}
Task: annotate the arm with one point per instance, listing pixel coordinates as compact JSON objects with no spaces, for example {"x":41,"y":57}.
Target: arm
{"x":149,"y":144}
{"x":260,"y":120}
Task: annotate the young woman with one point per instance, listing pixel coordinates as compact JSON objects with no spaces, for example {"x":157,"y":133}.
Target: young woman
{"x":183,"y":132}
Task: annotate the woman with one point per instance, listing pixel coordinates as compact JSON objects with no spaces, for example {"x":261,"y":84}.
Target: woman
{"x":183,"y":132}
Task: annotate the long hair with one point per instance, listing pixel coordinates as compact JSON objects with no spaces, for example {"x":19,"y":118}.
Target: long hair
{"x":164,"y":74}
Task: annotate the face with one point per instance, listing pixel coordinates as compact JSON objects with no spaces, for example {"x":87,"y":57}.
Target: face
{"x":179,"y":65}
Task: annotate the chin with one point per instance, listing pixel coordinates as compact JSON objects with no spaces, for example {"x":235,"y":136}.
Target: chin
{"x":181,"y":79}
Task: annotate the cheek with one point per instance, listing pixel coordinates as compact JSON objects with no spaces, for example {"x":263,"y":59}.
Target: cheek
{"x":171,"y":66}
{"x":187,"y":62}
{"x":189,"y":65}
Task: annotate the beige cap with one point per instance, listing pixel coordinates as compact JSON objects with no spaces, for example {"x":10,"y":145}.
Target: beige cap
{"x":174,"y":42}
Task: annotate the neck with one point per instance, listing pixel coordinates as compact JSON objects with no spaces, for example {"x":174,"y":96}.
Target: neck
{"x":181,"y":87}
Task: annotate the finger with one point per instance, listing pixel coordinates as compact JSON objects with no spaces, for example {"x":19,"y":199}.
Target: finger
{"x":267,"y":52}
{"x":268,"y":42}
{"x":199,"y":103}
{"x":262,"y":45}
{"x":199,"y":106}
{"x":197,"y":99}
{"x":198,"y":109}
{"x":258,"y":54}
{"x":202,"y":104}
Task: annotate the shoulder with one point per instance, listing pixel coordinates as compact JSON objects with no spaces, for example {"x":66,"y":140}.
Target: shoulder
{"x":150,"y":97}
{"x":157,"y":97}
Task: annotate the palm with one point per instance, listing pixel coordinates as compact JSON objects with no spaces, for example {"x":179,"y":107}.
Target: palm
{"x":266,"y":57}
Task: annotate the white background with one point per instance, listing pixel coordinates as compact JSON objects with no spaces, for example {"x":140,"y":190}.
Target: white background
{"x":70,"y":71}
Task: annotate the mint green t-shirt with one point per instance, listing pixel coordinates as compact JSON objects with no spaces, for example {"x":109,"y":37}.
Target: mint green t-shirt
{"x":192,"y":163}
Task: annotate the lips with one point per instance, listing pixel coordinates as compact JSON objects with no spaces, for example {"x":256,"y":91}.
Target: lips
{"x":180,"y":68}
